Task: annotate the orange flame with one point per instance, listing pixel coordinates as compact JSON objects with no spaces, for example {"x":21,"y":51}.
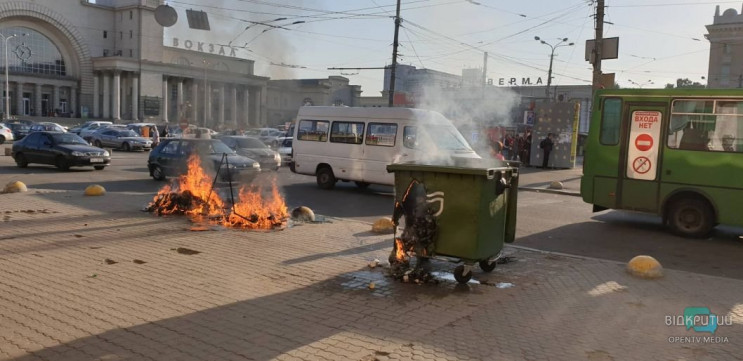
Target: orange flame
{"x":191,"y":194}
{"x":400,"y":255}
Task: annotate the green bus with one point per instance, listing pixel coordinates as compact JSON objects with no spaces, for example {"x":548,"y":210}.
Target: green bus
{"x":677,"y":153}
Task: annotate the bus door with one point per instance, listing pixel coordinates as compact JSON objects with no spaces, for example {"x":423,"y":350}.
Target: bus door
{"x":639,"y":179}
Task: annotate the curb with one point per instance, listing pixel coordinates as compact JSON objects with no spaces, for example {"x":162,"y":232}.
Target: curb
{"x":553,"y":191}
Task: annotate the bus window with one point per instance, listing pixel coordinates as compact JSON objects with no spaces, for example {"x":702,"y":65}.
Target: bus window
{"x":347,"y":132}
{"x":381,"y":134}
{"x":611,"y":119}
{"x":313,"y":130}
{"x":706,"y":125}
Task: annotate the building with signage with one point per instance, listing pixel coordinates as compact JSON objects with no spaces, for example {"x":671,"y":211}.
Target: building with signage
{"x":725,"y":52}
{"x":286,"y":96}
{"x":107,"y":59}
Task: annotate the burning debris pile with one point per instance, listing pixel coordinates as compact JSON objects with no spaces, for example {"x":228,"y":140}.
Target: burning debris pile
{"x":417,"y":237}
{"x":192,"y":194}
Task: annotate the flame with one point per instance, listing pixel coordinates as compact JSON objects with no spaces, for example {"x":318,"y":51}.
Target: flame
{"x":256,"y":212}
{"x":400,"y":255}
{"x":192,"y":194}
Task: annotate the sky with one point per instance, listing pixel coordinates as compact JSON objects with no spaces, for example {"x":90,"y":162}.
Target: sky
{"x":659,"y":40}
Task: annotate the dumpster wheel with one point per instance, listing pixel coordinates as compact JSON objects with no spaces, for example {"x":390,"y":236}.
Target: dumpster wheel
{"x":462,"y":274}
{"x":487,"y":265}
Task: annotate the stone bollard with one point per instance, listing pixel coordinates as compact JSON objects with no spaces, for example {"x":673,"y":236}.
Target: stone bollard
{"x":645,"y":267}
{"x":383,"y":226}
{"x":303,"y":214}
{"x":8,"y":151}
{"x":556,"y":185}
{"x":95,"y":190}
{"x":15,"y":187}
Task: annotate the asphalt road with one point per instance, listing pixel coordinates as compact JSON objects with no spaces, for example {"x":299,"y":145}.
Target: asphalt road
{"x":550,"y":222}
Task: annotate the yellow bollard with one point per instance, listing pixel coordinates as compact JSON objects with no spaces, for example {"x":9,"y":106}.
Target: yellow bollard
{"x":645,"y":267}
{"x":95,"y":190}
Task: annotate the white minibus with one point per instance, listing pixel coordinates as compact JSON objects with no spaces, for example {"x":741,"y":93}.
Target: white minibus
{"x":356,"y":144}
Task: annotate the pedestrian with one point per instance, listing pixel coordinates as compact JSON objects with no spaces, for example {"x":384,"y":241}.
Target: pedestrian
{"x":155,"y":136}
{"x":546,"y":144}
{"x":495,"y":150}
{"x":526,"y":148}
{"x":165,"y":132}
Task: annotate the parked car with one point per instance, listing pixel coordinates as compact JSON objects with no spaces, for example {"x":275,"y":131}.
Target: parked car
{"x":89,"y":127}
{"x":285,"y":149}
{"x":19,"y":130}
{"x":61,"y":149}
{"x":47,"y":127}
{"x":255,"y":149}
{"x":269,"y":136}
{"x":142,"y":129}
{"x":5,"y":133}
{"x":125,"y":139}
{"x":170,"y":158}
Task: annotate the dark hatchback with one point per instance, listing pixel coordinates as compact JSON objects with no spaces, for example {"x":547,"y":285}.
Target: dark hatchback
{"x":63,"y":150}
{"x":170,"y":158}
{"x":19,"y":130}
{"x":253,"y":148}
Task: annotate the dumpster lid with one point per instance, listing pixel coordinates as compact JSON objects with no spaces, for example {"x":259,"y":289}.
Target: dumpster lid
{"x":488,"y":172}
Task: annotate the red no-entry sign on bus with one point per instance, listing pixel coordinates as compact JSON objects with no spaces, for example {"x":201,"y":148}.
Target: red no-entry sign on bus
{"x":644,"y":142}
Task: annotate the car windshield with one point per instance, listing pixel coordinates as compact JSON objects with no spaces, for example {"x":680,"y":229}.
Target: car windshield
{"x":128,"y":133}
{"x":68,"y":138}
{"x":213,"y":147}
{"x":253,"y":132}
{"x":250,"y":143}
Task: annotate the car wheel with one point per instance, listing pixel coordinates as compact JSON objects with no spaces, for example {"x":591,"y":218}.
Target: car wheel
{"x":362,"y":185}
{"x":325,"y":178}
{"x":21,"y":161}
{"x":2,"y":139}
{"x":62,"y":163}
{"x":126,"y":147}
{"x":691,"y":217}
{"x":98,"y":144}
{"x":157,"y":173}
{"x":99,"y":167}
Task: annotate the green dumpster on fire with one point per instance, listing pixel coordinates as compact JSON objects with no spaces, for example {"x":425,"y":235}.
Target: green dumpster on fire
{"x":462,"y":214}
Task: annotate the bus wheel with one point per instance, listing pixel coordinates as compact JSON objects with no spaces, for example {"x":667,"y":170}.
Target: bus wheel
{"x":691,"y":217}
{"x":325,"y":178}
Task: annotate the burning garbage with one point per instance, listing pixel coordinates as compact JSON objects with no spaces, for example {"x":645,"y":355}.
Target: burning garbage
{"x":193,"y":194}
{"x":417,"y":237}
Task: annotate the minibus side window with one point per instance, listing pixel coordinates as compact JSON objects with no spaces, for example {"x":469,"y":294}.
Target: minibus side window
{"x":347,"y":132}
{"x":313,"y":130}
{"x":410,"y":137}
{"x":381,"y":134}
{"x":611,"y":120}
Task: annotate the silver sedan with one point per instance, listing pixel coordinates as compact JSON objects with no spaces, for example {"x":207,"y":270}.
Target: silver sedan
{"x":125,"y":139}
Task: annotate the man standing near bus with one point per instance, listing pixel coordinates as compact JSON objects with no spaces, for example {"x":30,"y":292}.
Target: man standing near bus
{"x":546,"y":144}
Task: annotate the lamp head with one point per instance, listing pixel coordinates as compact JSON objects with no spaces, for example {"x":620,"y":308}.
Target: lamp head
{"x":537,"y":38}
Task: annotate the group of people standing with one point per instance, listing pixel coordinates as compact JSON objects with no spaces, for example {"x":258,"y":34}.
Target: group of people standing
{"x":506,"y":146}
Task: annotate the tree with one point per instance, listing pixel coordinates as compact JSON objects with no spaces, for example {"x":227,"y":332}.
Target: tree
{"x":685,"y":83}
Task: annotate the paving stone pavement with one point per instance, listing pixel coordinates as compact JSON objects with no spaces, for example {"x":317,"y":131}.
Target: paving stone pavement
{"x":70,"y":289}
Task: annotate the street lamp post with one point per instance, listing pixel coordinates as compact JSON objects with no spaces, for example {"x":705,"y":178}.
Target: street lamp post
{"x":206,"y":93}
{"x":640,"y":85}
{"x":562,"y":42}
{"x":7,"y":83}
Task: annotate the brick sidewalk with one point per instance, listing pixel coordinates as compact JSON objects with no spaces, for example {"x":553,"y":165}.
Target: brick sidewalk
{"x":302,"y":294}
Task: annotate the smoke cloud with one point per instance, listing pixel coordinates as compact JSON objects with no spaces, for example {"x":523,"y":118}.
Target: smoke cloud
{"x":471,"y":110}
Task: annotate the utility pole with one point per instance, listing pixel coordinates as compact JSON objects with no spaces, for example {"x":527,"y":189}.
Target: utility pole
{"x":598,"y":45}
{"x":484,"y":73}
{"x":393,"y":68}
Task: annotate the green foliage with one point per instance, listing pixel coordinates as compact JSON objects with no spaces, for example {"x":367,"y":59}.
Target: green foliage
{"x":685,"y":83}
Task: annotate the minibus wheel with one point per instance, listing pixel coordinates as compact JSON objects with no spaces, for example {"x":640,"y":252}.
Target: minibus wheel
{"x":325,"y":178}
{"x":691,"y":217}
